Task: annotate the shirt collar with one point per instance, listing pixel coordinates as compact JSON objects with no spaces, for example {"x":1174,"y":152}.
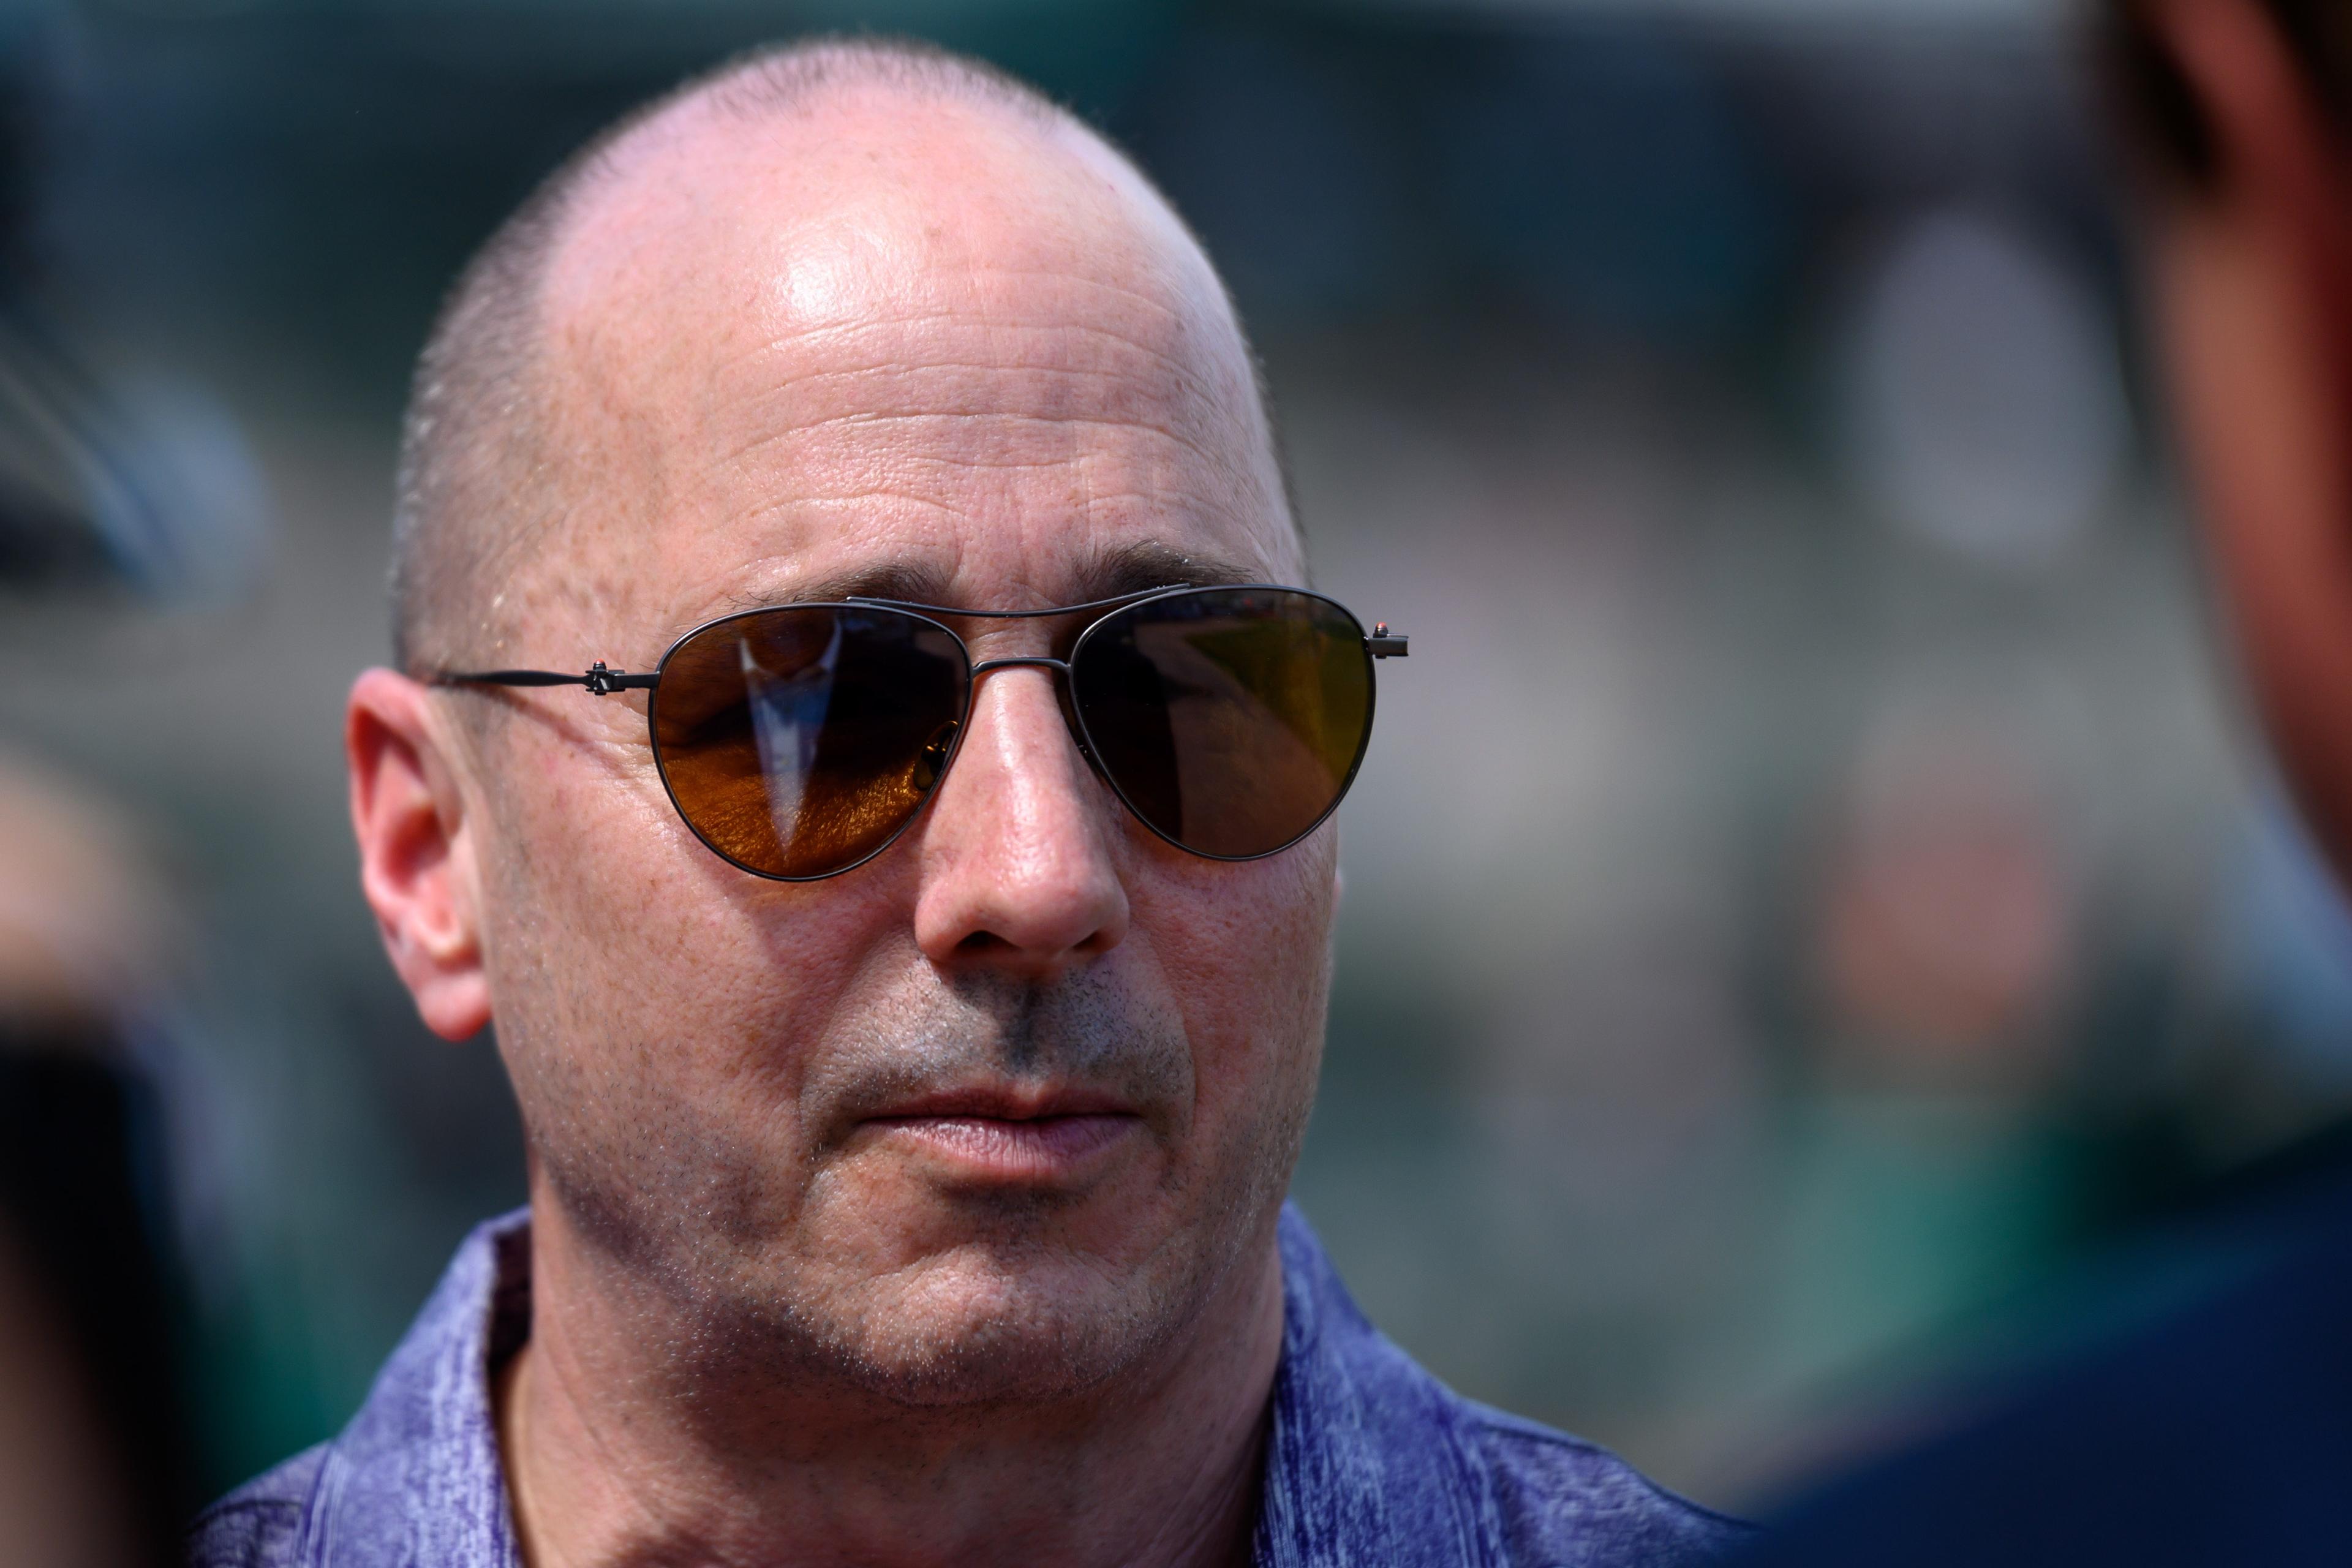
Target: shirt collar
{"x":1368,"y":1459}
{"x":416,"y":1479}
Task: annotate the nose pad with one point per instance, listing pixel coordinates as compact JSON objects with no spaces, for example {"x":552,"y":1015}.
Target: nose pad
{"x":933,"y":760}
{"x":1069,"y":707}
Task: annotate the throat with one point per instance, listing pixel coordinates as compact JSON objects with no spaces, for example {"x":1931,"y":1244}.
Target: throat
{"x":607,"y":1463}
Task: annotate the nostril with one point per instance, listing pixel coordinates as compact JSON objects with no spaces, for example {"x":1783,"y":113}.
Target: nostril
{"x":981,"y":942}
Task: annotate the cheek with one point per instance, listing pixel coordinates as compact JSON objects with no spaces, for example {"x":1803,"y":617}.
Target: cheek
{"x":1245,"y":948}
{"x":631,"y":969}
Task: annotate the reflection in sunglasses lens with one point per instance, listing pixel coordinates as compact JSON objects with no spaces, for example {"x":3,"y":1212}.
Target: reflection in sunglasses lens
{"x":1230,"y":719}
{"x":798,"y":741}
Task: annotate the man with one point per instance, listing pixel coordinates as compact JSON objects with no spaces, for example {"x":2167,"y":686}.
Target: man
{"x":2222,"y":1433}
{"x":914,"y":1000}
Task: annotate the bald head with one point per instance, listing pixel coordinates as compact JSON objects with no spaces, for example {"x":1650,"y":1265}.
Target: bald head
{"x":798,"y":252}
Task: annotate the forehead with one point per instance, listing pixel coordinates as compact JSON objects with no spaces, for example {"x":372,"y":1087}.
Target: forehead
{"x":934,"y":340}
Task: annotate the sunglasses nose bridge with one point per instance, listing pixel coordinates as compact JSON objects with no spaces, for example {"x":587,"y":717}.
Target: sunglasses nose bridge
{"x":1058,"y":667}
{"x":1038,"y":660}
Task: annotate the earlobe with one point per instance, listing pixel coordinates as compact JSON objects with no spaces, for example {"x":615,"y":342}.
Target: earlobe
{"x":415,"y":853}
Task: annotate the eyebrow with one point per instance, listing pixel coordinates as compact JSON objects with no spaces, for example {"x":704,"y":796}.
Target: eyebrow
{"x":1148,"y":563}
{"x":1120,"y":572}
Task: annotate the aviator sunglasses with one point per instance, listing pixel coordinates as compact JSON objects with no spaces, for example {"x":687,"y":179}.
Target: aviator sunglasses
{"x":799,"y":741}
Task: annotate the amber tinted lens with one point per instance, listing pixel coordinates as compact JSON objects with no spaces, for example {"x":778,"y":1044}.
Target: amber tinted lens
{"x":1230,"y":718}
{"x":796,"y":741}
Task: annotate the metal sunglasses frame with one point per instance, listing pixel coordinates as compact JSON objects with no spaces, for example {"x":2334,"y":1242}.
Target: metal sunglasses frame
{"x":600,"y":680}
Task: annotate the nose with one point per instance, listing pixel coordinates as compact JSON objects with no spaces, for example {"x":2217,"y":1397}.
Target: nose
{"x":1017,"y":871}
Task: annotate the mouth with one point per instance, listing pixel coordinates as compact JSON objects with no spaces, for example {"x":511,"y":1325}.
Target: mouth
{"x":1009,"y":1138}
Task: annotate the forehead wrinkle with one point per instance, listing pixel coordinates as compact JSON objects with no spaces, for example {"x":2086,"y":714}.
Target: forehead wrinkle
{"x":952,"y":418}
{"x":1185,"y":377}
{"x":864,"y":453}
{"x":963,"y":391}
{"x":876,"y":421}
{"x":1049,"y":334}
{"x":959,"y":409}
{"x":1102,"y":572}
{"x":1012,"y":279}
{"x":885,"y":517}
{"x":850,"y":322}
{"x":858,"y":507}
{"x":1178,"y":423}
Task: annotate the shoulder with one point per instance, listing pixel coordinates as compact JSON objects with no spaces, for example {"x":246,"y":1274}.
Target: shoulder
{"x":257,"y":1525}
{"x":1568,"y":1504}
{"x":1372,"y":1452}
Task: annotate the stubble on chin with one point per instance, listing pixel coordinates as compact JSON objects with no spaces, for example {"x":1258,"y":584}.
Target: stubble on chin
{"x":749,"y":1268}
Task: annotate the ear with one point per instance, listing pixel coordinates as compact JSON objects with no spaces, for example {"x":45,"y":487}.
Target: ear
{"x":2252,"y":283}
{"x":417,"y":863}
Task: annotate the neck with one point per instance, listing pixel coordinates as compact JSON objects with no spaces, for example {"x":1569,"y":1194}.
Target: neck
{"x":609,"y":1463}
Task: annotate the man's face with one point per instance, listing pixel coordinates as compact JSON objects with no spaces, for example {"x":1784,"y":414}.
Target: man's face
{"x":923,"y":352}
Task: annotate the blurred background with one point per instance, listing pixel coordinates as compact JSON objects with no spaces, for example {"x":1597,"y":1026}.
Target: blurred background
{"x":1814,"y":907}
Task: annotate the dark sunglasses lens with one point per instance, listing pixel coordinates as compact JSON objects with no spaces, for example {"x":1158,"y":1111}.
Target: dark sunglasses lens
{"x":796,"y":741}
{"x":1230,"y":719}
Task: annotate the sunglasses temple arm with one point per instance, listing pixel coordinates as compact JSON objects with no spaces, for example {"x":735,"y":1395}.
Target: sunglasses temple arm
{"x":599,"y":680}
{"x":1383,"y":644}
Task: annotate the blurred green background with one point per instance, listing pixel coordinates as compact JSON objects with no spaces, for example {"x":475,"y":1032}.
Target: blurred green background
{"x":1812,"y":895}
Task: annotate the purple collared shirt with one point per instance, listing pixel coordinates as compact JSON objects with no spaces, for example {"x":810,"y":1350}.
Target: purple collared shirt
{"x":1372,"y":1460}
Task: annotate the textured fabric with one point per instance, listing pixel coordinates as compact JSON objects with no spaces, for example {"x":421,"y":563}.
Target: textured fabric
{"x":1371,"y":1459}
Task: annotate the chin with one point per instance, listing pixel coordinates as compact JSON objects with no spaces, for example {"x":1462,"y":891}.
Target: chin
{"x":978,"y":1325}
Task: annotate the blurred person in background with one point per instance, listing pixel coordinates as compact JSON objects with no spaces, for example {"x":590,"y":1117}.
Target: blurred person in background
{"x":95,"y":1466}
{"x":913,"y":1053}
{"x":2221,"y":1433}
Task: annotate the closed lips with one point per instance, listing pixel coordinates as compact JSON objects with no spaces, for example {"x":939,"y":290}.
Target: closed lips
{"x":1012,"y":1137}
